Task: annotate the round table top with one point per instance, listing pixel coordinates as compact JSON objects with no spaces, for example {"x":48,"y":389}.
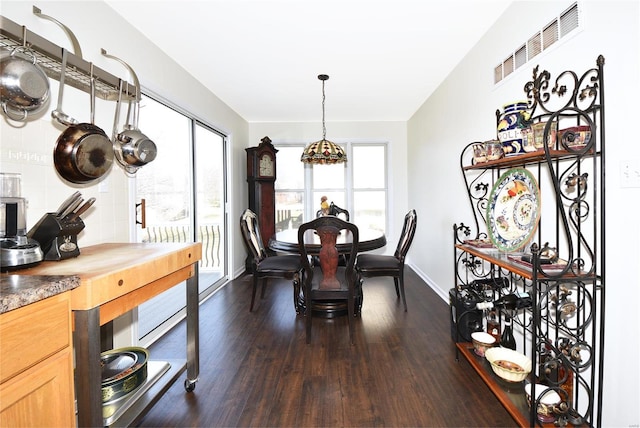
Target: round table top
{"x":286,"y":241}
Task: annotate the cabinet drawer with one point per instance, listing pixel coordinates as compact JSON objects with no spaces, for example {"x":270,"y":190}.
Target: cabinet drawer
{"x":32,"y":333}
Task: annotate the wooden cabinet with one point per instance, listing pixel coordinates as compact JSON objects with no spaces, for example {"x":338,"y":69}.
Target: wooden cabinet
{"x":562,"y":332}
{"x":36,"y":373}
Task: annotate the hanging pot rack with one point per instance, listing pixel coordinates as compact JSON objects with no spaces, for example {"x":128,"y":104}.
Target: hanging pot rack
{"x":49,"y":57}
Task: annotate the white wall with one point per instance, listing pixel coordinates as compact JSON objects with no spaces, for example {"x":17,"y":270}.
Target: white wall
{"x":394,"y":133}
{"x":97,"y":26}
{"x":462,"y":111}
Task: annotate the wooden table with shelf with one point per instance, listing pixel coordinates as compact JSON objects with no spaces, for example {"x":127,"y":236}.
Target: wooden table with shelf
{"x":115,"y":278}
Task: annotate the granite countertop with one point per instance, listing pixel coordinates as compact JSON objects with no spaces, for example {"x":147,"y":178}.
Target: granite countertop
{"x":21,"y":290}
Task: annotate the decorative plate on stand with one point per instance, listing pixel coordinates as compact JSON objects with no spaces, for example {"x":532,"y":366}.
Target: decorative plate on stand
{"x":513,"y":212}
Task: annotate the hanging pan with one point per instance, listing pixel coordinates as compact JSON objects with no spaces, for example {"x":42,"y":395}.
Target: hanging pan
{"x":83,"y":152}
{"x":132,"y":148}
{"x":24,"y":86}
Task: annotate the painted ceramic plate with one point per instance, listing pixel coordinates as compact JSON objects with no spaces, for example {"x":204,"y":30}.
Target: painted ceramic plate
{"x":514,"y":209}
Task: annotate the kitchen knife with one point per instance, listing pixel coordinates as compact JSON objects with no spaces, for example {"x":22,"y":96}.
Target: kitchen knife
{"x":67,"y":202}
{"x":71,"y":208}
{"x":82,"y":209}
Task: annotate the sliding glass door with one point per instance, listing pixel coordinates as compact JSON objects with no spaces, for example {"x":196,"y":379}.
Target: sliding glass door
{"x":184,"y":194}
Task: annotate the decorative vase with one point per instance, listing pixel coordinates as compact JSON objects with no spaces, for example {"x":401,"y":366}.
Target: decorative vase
{"x":511,"y":124}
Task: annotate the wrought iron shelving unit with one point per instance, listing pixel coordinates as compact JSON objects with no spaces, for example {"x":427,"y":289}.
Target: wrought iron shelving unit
{"x":563,"y":331}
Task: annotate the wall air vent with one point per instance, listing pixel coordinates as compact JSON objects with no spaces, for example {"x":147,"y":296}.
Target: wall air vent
{"x":565,"y":23}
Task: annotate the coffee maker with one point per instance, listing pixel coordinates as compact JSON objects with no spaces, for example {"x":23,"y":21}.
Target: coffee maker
{"x":17,"y":250}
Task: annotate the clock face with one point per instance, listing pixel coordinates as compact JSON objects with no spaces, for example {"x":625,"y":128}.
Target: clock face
{"x":266,"y":166}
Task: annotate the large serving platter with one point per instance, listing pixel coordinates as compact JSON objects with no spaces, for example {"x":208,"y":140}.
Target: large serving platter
{"x":513,"y":211}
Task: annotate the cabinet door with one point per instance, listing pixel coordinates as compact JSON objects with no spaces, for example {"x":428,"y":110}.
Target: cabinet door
{"x":32,"y":333}
{"x":41,"y":396}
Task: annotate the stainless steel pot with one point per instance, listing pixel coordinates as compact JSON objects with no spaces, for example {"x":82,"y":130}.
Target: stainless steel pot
{"x":133,"y":149}
{"x":137,"y":149}
{"x":24,"y":85}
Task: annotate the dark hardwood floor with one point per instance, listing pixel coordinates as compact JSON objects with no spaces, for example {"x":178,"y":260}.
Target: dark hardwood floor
{"x":257,"y":371}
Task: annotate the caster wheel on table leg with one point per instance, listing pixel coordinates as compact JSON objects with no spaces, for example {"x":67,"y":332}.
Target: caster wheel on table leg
{"x":189,"y":385}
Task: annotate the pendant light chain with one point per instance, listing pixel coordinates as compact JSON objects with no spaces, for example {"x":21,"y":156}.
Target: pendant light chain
{"x":324,"y":128}
{"x":323,"y":151}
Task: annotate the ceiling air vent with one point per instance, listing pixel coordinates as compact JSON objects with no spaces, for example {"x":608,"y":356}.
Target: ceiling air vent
{"x":550,"y":35}
{"x":534,"y":45}
{"x":521,"y":56}
{"x":559,"y":27}
{"x":569,"y":20}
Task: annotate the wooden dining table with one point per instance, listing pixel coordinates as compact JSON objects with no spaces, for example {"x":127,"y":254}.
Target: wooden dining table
{"x":286,"y":241}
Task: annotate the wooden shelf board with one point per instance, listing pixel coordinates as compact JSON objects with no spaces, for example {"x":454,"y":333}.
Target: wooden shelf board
{"x":511,"y":396}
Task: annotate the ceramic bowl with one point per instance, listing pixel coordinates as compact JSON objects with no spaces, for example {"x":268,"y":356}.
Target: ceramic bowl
{"x":574,"y":137}
{"x":481,"y":342}
{"x":508,"y":364}
{"x":546,"y":398}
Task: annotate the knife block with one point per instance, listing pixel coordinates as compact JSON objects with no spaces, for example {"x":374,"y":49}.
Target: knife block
{"x":58,"y":237}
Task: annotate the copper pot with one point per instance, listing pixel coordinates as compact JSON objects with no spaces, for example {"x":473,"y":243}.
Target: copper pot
{"x":83,"y":152}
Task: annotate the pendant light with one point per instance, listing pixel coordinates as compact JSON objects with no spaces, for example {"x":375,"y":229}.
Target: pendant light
{"x":323,"y":151}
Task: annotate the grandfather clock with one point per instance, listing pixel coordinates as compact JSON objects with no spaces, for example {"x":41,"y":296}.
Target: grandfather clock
{"x":261,"y":176}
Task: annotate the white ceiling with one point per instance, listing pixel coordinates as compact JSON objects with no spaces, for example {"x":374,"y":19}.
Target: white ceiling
{"x":262,"y":57}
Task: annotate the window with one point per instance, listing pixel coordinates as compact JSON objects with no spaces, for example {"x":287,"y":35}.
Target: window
{"x":359,"y":185}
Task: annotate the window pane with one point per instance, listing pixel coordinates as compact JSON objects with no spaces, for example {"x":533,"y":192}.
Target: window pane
{"x":289,"y":209}
{"x":289,"y":168}
{"x":328,"y":176}
{"x":368,"y":167}
{"x":165,"y":186}
{"x":370,"y":209}
{"x":289,"y":188}
{"x":209,"y":167}
{"x":164,"y":183}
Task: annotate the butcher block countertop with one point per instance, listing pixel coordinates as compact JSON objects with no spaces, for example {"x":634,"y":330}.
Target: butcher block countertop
{"x":112,"y":270}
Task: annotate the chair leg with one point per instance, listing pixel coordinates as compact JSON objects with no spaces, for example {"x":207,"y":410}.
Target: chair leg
{"x":351,"y":311}
{"x":401,"y":281}
{"x":253,"y":293}
{"x":395,"y":282}
{"x":296,"y":293}
{"x":264,"y":287}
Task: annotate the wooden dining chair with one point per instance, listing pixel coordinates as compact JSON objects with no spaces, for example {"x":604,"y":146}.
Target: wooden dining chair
{"x":326,"y":280}
{"x":372,"y":265}
{"x":343,"y":214}
{"x":286,"y":266}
